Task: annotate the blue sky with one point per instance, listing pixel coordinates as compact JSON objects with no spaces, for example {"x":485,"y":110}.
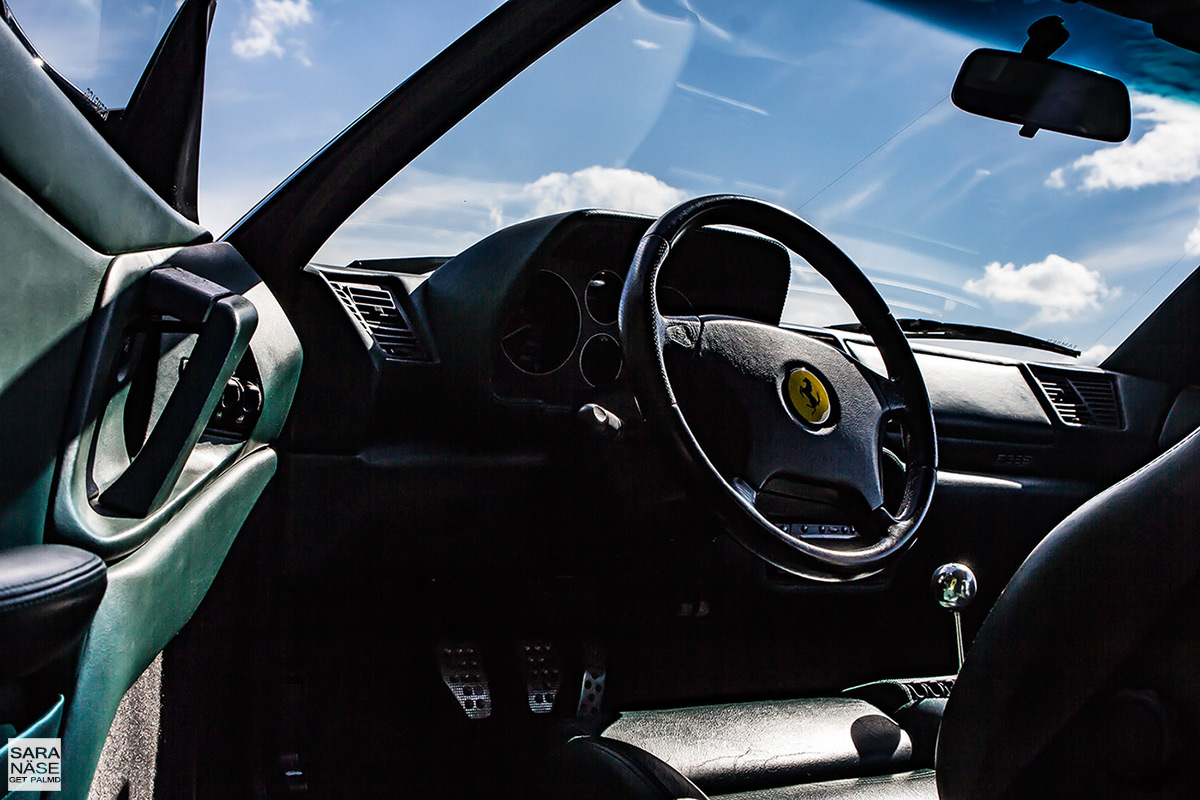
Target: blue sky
{"x":840,"y":113}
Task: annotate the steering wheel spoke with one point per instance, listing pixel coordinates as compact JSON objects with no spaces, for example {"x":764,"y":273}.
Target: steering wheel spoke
{"x":888,"y":391}
{"x":681,"y":332}
{"x":814,"y":415}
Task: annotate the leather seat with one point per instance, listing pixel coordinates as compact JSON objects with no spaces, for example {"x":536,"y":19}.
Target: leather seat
{"x":1080,"y":683}
{"x":740,"y":747}
{"x":596,"y":768}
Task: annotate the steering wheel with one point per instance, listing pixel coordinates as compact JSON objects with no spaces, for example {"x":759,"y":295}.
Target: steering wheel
{"x":815,"y":414}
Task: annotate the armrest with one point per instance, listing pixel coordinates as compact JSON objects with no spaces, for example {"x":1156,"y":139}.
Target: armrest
{"x":48,"y":595}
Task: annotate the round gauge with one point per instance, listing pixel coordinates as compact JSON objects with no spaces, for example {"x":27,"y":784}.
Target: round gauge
{"x":601,"y":360}
{"x":603,"y":296}
{"x":541,"y":335}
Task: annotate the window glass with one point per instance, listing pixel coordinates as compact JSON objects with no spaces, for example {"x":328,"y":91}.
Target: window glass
{"x":840,"y":112}
{"x":837,"y":111}
{"x":101,"y":46}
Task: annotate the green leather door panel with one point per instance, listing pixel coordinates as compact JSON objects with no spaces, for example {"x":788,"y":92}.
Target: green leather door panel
{"x":151,"y":594}
{"x":81,"y":237}
{"x":50,"y":280}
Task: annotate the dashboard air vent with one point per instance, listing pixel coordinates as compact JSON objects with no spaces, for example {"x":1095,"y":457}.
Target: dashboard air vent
{"x":376,"y":310}
{"x":1081,"y":398}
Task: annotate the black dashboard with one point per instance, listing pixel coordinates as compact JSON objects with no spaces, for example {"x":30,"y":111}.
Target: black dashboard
{"x":524,"y":323}
{"x":539,"y":325}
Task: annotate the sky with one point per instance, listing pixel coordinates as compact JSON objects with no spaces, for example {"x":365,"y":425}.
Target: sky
{"x":840,"y":113}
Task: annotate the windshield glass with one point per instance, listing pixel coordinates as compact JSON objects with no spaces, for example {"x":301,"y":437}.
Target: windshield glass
{"x":101,"y":46}
{"x":840,"y":112}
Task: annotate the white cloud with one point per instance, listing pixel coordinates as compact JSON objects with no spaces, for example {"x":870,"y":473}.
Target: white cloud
{"x":1094,"y":354}
{"x":600,"y":187}
{"x":1060,"y":289}
{"x":269,"y":20}
{"x":422,"y":213}
{"x":646,"y":44}
{"x":1193,"y":240}
{"x":1192,"y":245}
{"x":1169,"y":152}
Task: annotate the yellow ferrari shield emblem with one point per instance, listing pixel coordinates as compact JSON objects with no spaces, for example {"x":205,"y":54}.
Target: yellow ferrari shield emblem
{"x":808,"y":396}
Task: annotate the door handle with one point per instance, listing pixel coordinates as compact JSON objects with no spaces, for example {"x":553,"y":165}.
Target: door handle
{"x":224,"y":322}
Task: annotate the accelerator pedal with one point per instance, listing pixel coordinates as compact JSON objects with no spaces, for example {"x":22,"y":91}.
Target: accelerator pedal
{"x":591,"y":690}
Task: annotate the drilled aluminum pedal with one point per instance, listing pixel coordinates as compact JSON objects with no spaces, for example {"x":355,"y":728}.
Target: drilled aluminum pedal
{"x":463,"y":672}
{"x":543,"y":674}
{"x":591,"y":694}
{"x":591,"y":689}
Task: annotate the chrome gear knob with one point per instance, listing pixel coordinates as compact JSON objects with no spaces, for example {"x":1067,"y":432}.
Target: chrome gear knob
{"x":954,"y":586}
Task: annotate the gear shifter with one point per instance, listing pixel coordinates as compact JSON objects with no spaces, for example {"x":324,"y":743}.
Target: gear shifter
{"x":954,"y":587}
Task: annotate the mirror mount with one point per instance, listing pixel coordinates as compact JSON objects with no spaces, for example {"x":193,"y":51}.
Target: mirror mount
{"x":1045,"y":37}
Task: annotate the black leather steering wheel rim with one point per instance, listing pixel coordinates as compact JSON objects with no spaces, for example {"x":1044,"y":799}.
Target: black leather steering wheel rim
{"x":645,"y":334}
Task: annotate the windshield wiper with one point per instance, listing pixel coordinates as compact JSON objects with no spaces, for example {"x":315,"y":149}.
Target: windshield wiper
{"x":933,"y":329}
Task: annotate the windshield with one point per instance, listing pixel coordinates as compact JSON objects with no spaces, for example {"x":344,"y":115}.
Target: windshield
{"x":840,"y":112}
{"x":100,"y":46}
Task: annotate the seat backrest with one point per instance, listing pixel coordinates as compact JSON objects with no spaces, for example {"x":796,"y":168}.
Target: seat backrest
{"x":1071,"y":637}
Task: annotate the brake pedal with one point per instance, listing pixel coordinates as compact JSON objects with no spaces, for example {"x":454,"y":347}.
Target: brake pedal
{"x":543,"y":674}
{"x":462,"y":671}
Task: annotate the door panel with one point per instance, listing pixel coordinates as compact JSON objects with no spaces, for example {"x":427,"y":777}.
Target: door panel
{"x":151,"y":594}
{"x":121,"y":339}
{"x":165,"y":555}
{"x":50,"y":283}
{"x":97,"y":454}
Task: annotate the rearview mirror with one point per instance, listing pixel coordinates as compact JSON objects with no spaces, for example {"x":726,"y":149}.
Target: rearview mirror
{"x":1037,"y":93}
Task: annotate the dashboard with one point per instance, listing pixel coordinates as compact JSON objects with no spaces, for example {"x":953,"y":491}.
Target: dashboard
{"x":557,"y":332}
{"x":525,"y":322}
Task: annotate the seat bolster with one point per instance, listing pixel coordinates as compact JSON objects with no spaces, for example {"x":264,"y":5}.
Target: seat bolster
{"x":592,"y":768}
{"x":918,"y":785}
{"x":744,"y":746}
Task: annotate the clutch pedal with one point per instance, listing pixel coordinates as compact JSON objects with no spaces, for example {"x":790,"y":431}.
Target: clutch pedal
{"x":462,"y":671}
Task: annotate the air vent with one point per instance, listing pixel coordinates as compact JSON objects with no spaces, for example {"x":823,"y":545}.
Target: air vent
{"x":1081,"y":398}
{"x":376,"y":310}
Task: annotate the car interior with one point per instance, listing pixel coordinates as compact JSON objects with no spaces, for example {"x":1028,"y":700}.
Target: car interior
{"x":575,"y":511}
